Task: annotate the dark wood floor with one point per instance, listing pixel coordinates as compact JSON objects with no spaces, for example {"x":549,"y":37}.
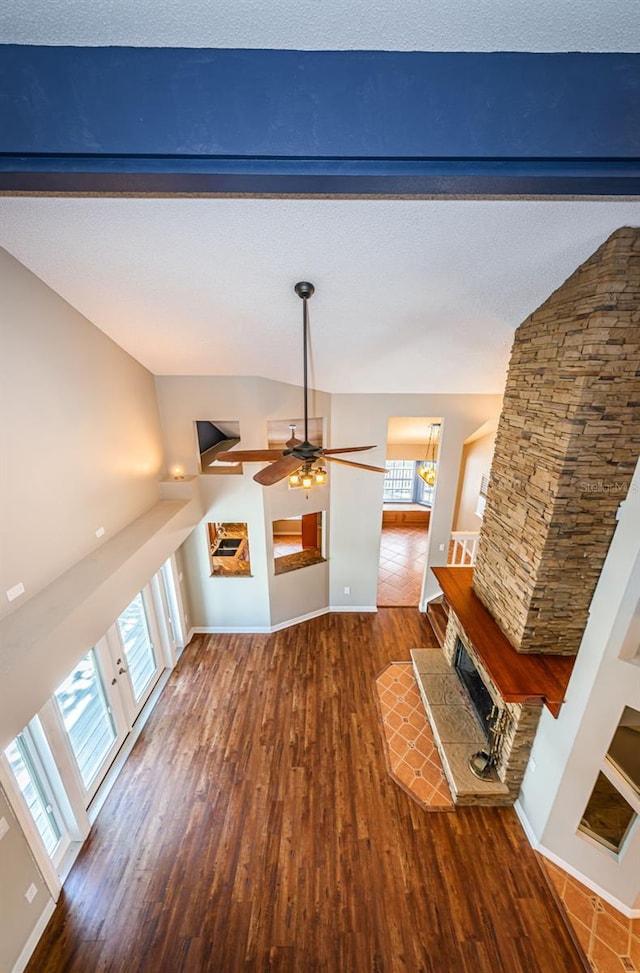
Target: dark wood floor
{"x":254,"y":827}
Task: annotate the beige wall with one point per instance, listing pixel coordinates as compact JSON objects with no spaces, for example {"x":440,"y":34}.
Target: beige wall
{"x":476,"y":463}
{"x":17,"y":916}
{"x":356,"y":511}
{"x":79,"y":437}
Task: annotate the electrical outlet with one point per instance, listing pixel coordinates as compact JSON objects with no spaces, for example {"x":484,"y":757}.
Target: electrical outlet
{"x":100,"y":532}
{"x":4,"y":827}
{"x":31,"y":893}
{"x":16,"y":591}
{"x":347,"y":590}
{"x":441,"y":547}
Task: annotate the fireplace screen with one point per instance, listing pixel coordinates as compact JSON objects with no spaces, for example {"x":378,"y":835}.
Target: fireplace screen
{"x":476,"y":689}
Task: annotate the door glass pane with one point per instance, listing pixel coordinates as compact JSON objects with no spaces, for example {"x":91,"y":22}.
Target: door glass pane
{"x":87,"y":718}
{"x":33,"y":791}
{"x":138,"y":649}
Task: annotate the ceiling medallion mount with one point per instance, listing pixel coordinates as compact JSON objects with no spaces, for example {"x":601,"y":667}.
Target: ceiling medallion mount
{"x":304,"y":289}
{"x":302,"y":463}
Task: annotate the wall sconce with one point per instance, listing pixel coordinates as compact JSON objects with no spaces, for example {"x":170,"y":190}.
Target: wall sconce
{"x":177,"y":473}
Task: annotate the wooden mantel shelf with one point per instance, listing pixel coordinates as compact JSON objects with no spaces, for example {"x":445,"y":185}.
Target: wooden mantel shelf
{"x":520,"y":677}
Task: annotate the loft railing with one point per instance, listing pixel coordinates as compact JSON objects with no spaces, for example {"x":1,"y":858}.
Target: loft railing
{"x":462,"y":549}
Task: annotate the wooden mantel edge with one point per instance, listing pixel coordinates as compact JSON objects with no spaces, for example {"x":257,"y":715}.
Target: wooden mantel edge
{"x":520,"y":677}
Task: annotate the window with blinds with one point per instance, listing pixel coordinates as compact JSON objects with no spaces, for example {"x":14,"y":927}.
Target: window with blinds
{"x":34,"y":789}
{"x":138,"y":648}
{"x":86,"y":716}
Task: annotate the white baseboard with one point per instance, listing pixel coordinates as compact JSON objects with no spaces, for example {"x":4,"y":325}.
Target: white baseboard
{"x":33,"y":940}
{"x":353,"y":608}
{"x":570,"y":870}
{"x":231,"y":630}
{"x":300,"y":618}
{"x":270,"y":629}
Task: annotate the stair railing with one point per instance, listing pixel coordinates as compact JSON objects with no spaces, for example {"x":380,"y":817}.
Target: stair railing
{"x":463,"y":546}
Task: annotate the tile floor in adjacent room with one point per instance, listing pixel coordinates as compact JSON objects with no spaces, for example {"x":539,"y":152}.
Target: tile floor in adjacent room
{"x":610,"y":941}
{"x":403,"y":552}
{"x":412,"y":757}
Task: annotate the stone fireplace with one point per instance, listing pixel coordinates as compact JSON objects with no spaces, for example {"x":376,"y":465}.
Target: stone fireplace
{"x":567,"y":443}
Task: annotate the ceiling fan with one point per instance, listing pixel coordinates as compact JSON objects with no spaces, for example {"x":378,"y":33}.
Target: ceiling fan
{"x":300,"y":461}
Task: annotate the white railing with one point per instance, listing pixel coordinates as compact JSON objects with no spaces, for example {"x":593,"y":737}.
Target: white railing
{"x":462,"y":549}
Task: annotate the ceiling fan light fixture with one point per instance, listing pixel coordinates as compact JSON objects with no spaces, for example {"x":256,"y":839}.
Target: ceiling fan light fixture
{"x":320,"y":476}
{"x":294,"y":479}
{"x":306,"y":480}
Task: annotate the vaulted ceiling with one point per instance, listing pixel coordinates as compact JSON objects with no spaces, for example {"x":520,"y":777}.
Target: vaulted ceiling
{"x":412,"y":294}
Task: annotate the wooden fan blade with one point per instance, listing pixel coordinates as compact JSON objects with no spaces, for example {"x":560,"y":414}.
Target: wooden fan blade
{"x":250,"y":455}
{"x":278,"y":470}
{"x":347,"y":449}
{"x":359,"y":466}
{"x":290,"y":443}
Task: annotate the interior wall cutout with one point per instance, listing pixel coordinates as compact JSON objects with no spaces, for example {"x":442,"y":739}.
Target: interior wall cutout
{"x":213,"y":437}
{"x":280,"y":431}
{"x":298,"y":542}
{"x":229,"y":550}
{"x":614,"y":805}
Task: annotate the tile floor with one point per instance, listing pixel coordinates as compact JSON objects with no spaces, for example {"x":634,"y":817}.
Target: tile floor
{"x":610,"y":941}
{"x":403,"y":552}
{"x":412,"y":757}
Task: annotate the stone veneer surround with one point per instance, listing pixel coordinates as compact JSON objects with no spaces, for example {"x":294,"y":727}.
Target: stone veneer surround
{"x":567,"y":443}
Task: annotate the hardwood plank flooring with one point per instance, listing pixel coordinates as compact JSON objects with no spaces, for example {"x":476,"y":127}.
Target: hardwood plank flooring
{"x":255,"y":827}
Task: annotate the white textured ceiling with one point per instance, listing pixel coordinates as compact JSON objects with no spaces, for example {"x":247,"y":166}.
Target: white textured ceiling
{"x":401,"y":25}
{"x":412,"y":295}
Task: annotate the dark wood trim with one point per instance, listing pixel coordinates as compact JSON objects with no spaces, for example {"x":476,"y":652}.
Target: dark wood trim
{"x":520,"y":677}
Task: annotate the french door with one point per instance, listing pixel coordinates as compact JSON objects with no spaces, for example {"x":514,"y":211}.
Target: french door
{"x":92,"y":719}
{"x":137,"y":653}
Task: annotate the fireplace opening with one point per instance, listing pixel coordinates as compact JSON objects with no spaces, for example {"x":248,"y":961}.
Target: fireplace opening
{"x":476,"y":690}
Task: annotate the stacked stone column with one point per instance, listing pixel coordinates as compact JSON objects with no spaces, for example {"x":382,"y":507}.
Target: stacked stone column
{"x":567,"y":444}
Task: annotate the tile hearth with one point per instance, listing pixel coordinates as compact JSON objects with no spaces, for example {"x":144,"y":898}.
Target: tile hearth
{"x":455,"y":729}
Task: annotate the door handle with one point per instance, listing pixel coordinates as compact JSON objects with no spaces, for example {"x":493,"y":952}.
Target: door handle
{"x":121,"y":670}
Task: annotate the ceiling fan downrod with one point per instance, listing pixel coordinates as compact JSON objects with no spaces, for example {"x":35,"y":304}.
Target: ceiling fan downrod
{"x":305,"y":290}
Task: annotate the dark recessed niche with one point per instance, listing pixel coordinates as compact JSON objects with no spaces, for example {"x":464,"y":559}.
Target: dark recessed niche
{"x":216,"y":436}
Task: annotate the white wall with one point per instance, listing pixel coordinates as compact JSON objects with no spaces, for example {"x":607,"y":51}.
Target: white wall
{"x":305,"y":591}
{"x":356,"y":512}
{"x":476,"y":463}
{"x":262,"y":600}
{"x":567,"y":752}
{"x":79,"y":434}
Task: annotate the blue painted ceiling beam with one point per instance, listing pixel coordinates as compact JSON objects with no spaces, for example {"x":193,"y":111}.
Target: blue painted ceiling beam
{"x":165,"y":120}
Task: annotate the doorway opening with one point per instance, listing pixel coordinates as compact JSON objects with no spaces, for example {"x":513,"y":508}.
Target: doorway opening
{"x":409,"y":486}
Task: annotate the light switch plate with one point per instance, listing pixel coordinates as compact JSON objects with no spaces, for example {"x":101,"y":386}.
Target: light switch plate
{"x":16,"y":591}
{"x":4,"y":827}
{"x":31,"y":893}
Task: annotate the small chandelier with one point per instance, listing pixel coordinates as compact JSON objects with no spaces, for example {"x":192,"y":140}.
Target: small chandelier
{"x":427,"y":471}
